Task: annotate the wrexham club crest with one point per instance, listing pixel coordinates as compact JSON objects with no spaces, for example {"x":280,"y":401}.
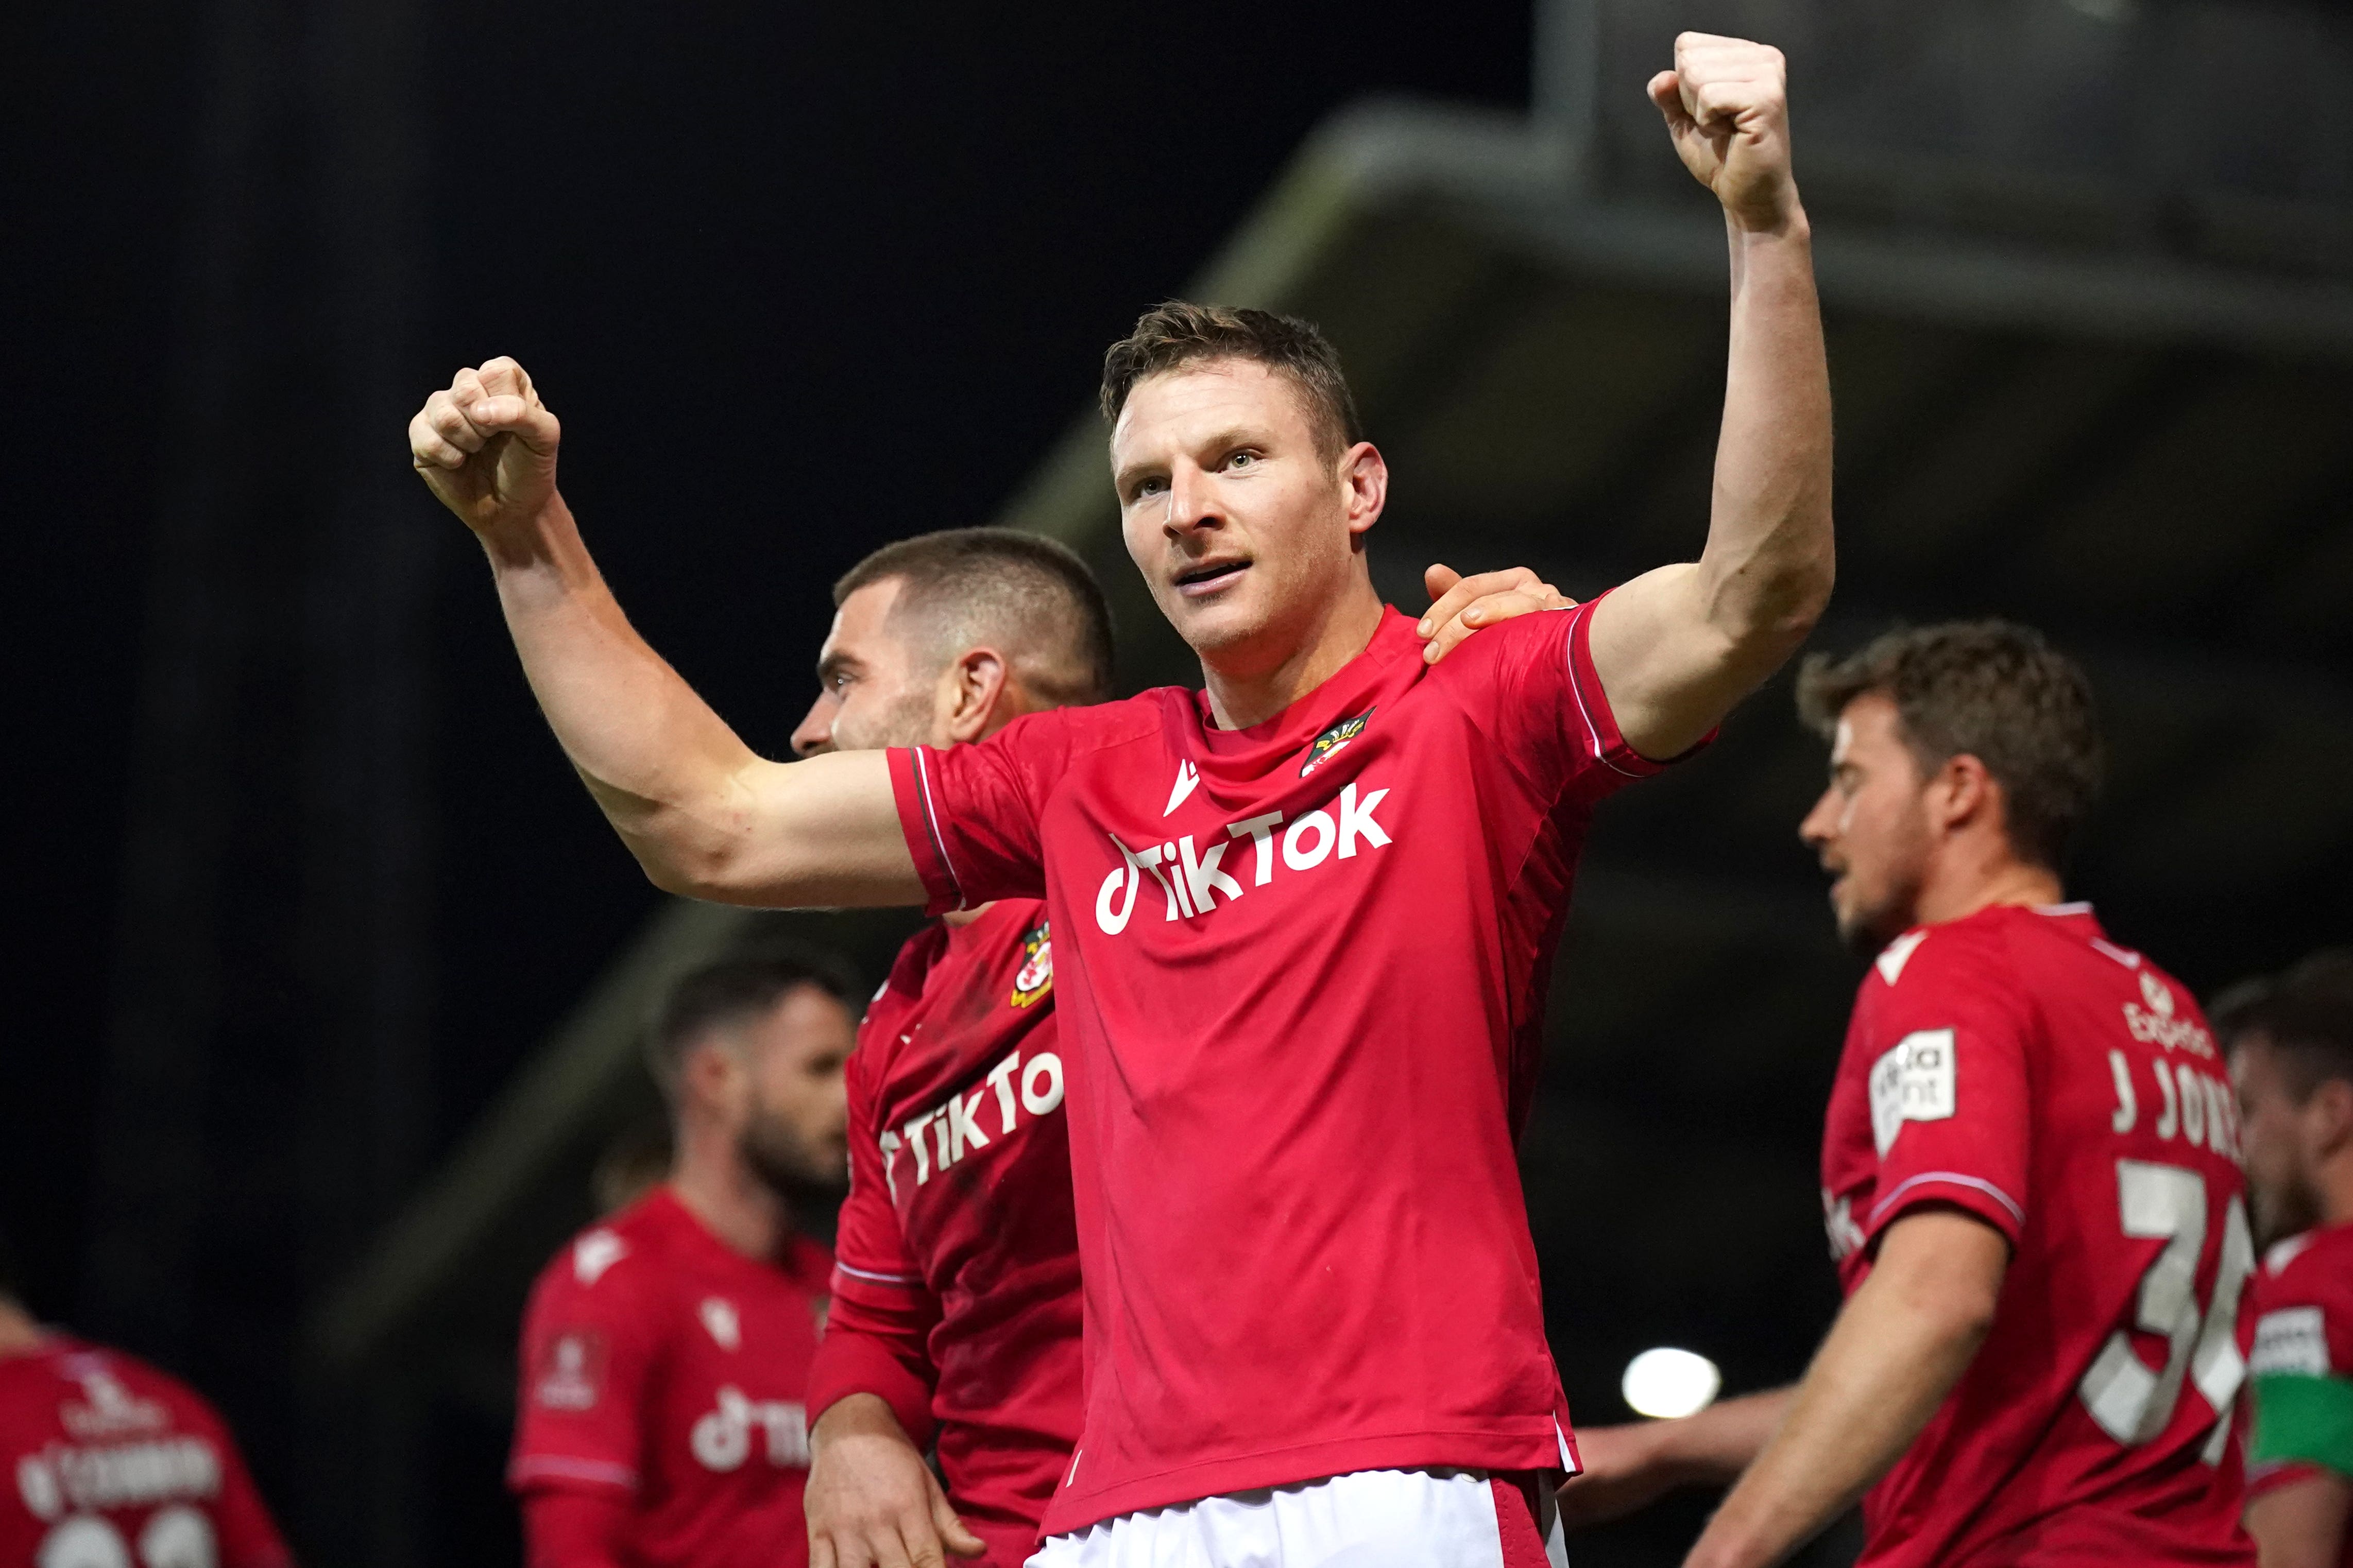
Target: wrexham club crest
{"x":1332,"y":740}
{"x":1037,"y":975}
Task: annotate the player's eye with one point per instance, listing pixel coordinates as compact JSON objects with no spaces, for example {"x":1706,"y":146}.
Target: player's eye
{"x":1146,"y":488}
{"x":1242,"y":460}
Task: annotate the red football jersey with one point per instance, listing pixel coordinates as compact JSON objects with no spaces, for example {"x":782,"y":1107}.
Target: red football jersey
{"x":1300,"y":971}
{"x":115,"y":1464}
{"x":660,"y":1363}
{"x":2298,"y":1327}
{"x":956,"y":1285}
{"x":2017,"y":1065}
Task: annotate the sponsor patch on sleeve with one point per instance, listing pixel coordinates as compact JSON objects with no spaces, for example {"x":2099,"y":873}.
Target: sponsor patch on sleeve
{"x":1912,"y":1083}
{"x":2292,"y":1339}
{"x":571,"y":1371}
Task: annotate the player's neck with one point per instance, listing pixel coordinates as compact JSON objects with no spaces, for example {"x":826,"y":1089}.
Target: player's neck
{"x":1252,"y":688}
{"x":1967,"y":877}
{"x":2333,"y":1186}
{"x":19,"y":1335}
{"x":745,"y":1212}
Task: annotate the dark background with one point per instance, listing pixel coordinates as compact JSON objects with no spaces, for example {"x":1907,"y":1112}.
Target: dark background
{"x":299,"y":877}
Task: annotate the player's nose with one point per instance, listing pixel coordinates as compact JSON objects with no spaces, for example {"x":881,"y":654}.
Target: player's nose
{"x":1819,"y":825}
{"x":1192,"y":501}
{"x":814,"y":734}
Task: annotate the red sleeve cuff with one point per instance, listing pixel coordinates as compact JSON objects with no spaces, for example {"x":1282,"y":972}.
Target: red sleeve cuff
{"x":1601,"y":732}
{"x":1955,"y":1189}
{"x":534,"y":1472}
{"x":914,"y":785}
{"x":880,"y":1351}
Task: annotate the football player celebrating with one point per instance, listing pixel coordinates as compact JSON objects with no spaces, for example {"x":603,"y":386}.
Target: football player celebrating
{"x":113,"y":1462}
{"x":1304,"y":918}
{"x":2030,"y":1171}
{"x":666,"y":1351}
{"x":2291,"y":1049}
{"x":956,"y":1298}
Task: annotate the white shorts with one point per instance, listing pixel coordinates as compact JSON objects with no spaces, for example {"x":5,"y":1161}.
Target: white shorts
{"x":1371,"y":1519}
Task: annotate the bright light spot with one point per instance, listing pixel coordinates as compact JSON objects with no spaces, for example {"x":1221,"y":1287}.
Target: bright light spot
{"x":1669,"y":1382}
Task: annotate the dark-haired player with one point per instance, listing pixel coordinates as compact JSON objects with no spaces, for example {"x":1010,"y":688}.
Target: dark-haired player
{"x":2290,"y":1047}
{"x":1302,"y":918}
{"x":2030,"y":1171}
{"x":106,"y":1462}
{"x":661,"y":1416}
{"x":955,"y":1305}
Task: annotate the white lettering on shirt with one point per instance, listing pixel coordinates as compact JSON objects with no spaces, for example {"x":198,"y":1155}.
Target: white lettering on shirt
{"x":1913,"y":1081}
{"x":721,"y":1438}
{"x":121,"y":1475}
{"x":2199,"y":1107}
{"x":1192,"y":876}
{"x":2290,"y":1339}
{"x":1034,"y":1086}
{"x":2127,"y":1103}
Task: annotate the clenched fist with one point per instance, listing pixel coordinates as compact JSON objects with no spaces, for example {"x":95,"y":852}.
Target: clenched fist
{"x":486,"y":447}
{"x":1727,"y":106}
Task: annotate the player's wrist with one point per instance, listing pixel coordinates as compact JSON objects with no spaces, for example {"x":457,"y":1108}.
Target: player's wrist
{"x":856,"y":1415}
{"x":1781,"y":220}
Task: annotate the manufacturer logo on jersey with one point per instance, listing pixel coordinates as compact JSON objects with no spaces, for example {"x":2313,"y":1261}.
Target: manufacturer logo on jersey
{"x":595,"y":1253}
{"x":718,"y":1315}
{"x":1036,"y":977}
{"x":1325,"y":746}
{"x":721,"y":1438}
{"x":572,"y":1372}
{"x":1898,"y":954}
{"x":1189,"y":778}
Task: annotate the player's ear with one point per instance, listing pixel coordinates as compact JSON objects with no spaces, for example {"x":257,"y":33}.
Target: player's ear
{"x":1966,"y":793}
{"x":973,"y":692}
{"x":2330,"y":1116}
{"x":1364,"y":478}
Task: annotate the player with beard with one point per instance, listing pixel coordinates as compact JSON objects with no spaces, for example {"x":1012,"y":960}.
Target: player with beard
{"x":2291,"y":1047}
{"x":2030,"y":1172}
{"x":956,"y":1298}
{"x":1304,"y":918}
{"x":666,"y":1351}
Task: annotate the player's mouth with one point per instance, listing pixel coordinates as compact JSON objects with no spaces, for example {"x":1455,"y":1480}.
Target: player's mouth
{"x":1206,"y":579}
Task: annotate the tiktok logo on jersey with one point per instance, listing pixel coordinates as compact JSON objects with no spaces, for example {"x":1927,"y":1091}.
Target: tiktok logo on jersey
{"x":954,"y":1126}
{"x":721,"y":1440}
{"x":1193,"y":879}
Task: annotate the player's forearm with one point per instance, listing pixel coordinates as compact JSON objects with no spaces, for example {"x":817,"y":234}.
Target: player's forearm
{"x":1712,"y":1447}
{"x":2301,"y":1524}
{"x":1766,"y":574}
{"x":667,"y":770}
{"x":1893,"y":1355}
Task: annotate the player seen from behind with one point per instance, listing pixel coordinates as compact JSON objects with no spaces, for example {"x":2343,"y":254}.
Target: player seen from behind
{"x":106,"y":1462}
{"x":660,"y":1418}
{"x":1301,"y":915}
{"x":2290,"y":1047}
{"x":2030,"y":1171}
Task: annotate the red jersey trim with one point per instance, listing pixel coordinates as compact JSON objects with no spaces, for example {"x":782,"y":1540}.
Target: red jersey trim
{"x":1947,"y":1186}
{"x":919,"y":821}
{"x":1537,"y":1449}
{"x":531,"y":1468}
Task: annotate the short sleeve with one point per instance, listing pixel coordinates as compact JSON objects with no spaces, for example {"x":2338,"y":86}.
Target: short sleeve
{"x":1946,"y":1056}
{"x":1545,"y":710}
{"x":970,"y":813}
{"x":877,"y":1334}
{"x":2302,"y":1398}
{"x":586,"y":1363}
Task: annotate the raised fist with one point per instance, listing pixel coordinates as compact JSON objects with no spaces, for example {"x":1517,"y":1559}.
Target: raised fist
{"x":1727,"y":106}
{"x":486,"y":446}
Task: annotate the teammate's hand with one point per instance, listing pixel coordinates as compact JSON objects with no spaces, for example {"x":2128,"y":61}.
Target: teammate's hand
{"x":486,"y":446}
{"x":1727,"y":106}
{"x":1626,"y":1470}
{"x":871,"y":1501}
{"x":1462,"y":606}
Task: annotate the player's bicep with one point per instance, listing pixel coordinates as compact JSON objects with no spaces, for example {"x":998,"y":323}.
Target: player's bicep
{"x":1669,"y":668}
{"x":824,"y":833}
{"x":2301,"y":1523}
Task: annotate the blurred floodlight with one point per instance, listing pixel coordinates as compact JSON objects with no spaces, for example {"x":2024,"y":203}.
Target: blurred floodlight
{"x":1667,"y":1382}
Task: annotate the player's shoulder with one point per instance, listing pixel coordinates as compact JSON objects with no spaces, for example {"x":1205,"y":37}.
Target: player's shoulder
{"x":1099,"y":724}
{"x":1493,"y":653}
{"x":119,"y":1394}
{"x":2315,"y":1264}
{"x":615,"y":1259}
{"x":1930,"y":958}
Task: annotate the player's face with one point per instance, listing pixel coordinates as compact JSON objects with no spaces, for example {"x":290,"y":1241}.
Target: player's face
{"x":1870,"y":826}
{"x":872,"y":689}
{"x":793,"y":1118}
{"x":1246,"y":531}
{"x":2272,"y":1130}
